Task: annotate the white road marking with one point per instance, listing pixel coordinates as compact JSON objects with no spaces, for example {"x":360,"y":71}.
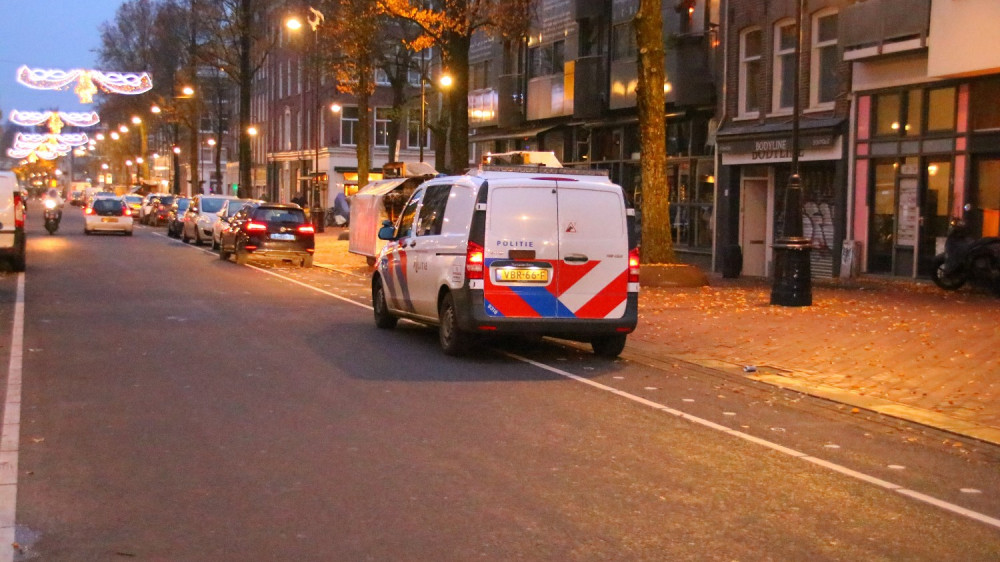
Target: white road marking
{"x":957,"y":509}
{"x":947,"y":506}
{"x":10,"y":434}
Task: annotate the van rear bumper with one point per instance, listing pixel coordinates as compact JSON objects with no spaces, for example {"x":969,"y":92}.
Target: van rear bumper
{"x":472,"y":317}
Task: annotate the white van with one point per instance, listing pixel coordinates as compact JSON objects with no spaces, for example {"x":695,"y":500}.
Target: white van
{"x":12,"y":241}
{"x":513,"y":249}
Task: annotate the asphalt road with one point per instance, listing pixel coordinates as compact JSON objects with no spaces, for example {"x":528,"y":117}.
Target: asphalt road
{"x":177,"y":407}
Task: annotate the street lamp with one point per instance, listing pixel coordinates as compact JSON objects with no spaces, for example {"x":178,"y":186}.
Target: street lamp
{"x":315,"y":19}
{"x":252,"y":132}
{"x":792,"y":271}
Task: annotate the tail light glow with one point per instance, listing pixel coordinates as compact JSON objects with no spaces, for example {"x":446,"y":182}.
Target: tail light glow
{"x":474,"y":260}
{"x":18,"y":211}
{"x":306,"y":229}
{"x":88,"y":211}
{"x":253,"y":226}
{"x":633,"y":265}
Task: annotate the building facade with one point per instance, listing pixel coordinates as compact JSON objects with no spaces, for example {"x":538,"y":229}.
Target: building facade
{"x":570,"y":87}
{"x":926,"y":127}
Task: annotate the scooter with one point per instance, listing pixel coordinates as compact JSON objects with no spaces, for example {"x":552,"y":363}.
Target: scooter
{"x":966,"y":258}
{"x":52,"y":216}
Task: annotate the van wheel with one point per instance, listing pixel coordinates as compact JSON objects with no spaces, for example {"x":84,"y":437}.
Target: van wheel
{"x":383,"y":319}
{"x":453,"y":340}
{"x":608,"y":346}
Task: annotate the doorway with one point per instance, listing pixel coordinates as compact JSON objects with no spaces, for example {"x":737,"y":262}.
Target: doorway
{"x":754,"y":225}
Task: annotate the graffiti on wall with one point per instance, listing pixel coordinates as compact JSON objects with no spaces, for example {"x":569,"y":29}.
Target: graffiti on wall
{"x":817,"y":226}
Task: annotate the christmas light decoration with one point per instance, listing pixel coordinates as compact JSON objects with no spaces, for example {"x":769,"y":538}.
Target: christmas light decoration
{"x":129,"y":83}
{"x":35,"y":118}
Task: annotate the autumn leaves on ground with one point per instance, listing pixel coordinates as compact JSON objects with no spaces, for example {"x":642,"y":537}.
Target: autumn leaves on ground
{"x":906,"y":342}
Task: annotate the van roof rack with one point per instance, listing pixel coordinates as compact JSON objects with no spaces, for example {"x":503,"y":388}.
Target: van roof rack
{"x":544,"y":169}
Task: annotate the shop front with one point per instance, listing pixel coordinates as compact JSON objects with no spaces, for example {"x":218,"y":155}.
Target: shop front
{"x":754,"y":168}
{"x":925,"y":155}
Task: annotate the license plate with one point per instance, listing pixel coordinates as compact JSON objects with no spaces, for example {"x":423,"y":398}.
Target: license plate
{"x":109,"y":219}
{"x":282,"y":237}
{"x":522,"y":275}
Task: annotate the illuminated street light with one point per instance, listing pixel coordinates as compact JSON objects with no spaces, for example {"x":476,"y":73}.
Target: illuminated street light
{"x":155,"y":109}
{"x":123,"y":129}
{"x":136,"y":120}
{"x":115,"y":135}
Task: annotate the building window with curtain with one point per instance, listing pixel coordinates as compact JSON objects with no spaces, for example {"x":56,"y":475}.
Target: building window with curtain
{"x":382,"y":126}
{"x":348,"y":123}
{"x":623,"y":45}
{"x":786,"y":35}
{"x":749,"y":77}
{"x":823,"y":78}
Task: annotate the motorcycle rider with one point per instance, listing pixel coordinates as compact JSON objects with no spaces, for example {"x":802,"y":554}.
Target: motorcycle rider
{"x":52,"y":194}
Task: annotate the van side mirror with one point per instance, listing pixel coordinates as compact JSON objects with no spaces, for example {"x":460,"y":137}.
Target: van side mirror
{"x":387,"y":232}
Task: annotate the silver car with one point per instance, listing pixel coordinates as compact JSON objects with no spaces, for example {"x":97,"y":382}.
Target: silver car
{"x":200,"y":217}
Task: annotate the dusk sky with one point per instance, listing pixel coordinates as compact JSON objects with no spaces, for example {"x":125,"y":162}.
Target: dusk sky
{"x":60,"y":34}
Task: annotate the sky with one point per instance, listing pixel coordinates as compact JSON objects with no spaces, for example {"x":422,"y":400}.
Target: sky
{"x":51,"y":34}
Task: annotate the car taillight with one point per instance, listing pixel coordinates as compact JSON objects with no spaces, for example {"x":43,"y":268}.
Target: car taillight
{"x":307,"y":229}
{"x":633,"y":265}
{"x":126,"y":212}
{"x":473,"y":261}
{"x":88,"y":211}
{"x":18,"y":211}
{"x":256,"y":227}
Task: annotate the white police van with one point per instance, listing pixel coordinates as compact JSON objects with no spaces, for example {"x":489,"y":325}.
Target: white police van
{"x":513,"y":249}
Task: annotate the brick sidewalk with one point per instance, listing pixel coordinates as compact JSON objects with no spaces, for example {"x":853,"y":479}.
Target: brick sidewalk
{"x":903,"y":348}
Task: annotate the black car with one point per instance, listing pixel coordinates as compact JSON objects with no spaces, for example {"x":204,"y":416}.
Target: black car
{"x":175,"y":218}
{"x":159,"y":211}
{"x":275,"y":231}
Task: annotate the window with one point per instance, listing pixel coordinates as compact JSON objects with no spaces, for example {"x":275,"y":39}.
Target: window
{"x":431,"y":217}
{"x":887,"y":111}
{"x":382,"y":119}
{"x":985,"y":112}
{"x":413,"y":129}
{"x":941,"y":109}
{"x":381,"y":77}
{"x":348,"y":122}
{"x":623,"y":42}
{"x":823,"y":79}
{"x":750,"y":67}
{"x":479,"y":75}
{"x":409,"y":211}
{"x":558,"y":56}
{"x":786,"y":35}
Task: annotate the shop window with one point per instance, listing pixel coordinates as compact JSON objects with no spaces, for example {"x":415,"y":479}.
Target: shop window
{"x":823,"y":79}
{"x":786,"y":35}
{"x":941,"y":110}
{"x":692,"y":193}
{"x":986,"y":203}
{"x":914,"y":114}
{"x":750,"y":69}
{"x":882,"y":228}
{"x":983,"y":107}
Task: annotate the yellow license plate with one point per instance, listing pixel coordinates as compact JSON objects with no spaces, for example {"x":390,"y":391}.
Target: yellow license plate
{"x":520,"y":275}
{"x":109,"y":220}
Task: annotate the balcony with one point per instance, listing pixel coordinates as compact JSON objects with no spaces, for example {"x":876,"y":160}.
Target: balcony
{"x":877,"y":28}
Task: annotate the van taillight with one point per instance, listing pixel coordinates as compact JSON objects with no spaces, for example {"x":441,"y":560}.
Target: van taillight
{"x":633,"y":265}
{"x":18,"y":211}
{"x":473,"y":261}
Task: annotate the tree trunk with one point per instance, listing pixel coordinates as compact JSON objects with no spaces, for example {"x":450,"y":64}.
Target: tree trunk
{"x":364,"y":128}
{"x":455,"y":58}
{"x":245,"y":89}
{"x":657,"y":244}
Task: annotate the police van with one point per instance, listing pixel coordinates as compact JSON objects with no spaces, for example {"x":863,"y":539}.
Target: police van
{"x":513,"y":249}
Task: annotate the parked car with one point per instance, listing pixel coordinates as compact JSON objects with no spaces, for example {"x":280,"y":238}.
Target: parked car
{"x":134,"y":202}
{"x":13,"y":246}
{"x":200,"y":217}
{"x":107,"y":214}
{"x":160,"y":209}
{"x":545,"y":251}
{"x":228,"y":210}
{"x":175,"y":218}
{"x":274,"y":231}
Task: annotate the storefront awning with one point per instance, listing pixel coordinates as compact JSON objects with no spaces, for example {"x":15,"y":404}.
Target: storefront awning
{"x":510,"y":134}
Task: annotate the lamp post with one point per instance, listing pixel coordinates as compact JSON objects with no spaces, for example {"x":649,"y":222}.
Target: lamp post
{"x":252,"y":133}
{"x":792,"y":272}
{"x":143,"y":143}
{"x":314,"y":193}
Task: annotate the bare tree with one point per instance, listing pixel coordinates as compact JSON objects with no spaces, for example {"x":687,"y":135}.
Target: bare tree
{"x":238,"y":42}
{"x":450,"y":27}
